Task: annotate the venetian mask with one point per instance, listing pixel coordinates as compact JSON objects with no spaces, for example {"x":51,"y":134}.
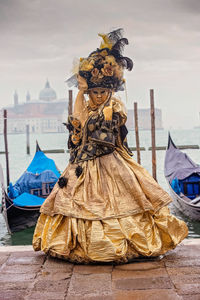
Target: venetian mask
{"x":99,"y":95}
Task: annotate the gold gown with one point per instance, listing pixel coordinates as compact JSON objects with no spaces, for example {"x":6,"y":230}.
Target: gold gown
{"x":114,"y":211}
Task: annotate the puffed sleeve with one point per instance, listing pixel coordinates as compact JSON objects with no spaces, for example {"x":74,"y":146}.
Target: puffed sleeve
{"x":74,"y":127}
{"x":119,"y":108}
{"x":75,"y":137}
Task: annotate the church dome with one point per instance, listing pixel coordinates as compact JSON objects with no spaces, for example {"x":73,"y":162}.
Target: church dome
{"x":47,"y":93}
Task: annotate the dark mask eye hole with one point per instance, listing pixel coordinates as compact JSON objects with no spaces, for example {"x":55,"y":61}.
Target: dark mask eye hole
{"x":102,"y":92}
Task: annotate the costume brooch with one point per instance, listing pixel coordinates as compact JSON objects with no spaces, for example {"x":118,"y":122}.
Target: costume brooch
{"x":62,"y":182}
{"x":78,"y":171}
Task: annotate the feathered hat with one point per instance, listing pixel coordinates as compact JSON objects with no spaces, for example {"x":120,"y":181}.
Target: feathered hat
{"x":104,"y":67}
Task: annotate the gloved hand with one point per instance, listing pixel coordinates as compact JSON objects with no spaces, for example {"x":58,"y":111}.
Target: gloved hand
{"x":82,"y":83}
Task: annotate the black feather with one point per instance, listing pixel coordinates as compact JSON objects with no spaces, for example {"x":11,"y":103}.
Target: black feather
{"x":126,"y":62}
{"x":115,"y":35}
{"x":117,"y":50}
{"x":119,"y":45}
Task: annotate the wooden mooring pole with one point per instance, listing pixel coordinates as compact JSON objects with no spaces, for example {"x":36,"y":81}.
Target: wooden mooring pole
{"x":6,"y":146}
{"x":27,"y":140}
{"x":153,"y":136}
{"x":70,"y":103}
{"x":137,"y":132}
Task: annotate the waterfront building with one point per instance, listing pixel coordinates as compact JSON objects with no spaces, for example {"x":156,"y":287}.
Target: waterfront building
{"x":43,"y":115}
{"x":47,"y":113}
{"x":144,"y":119}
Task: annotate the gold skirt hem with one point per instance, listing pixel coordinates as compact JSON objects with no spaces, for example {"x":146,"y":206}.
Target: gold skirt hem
{"x":118,"y":239}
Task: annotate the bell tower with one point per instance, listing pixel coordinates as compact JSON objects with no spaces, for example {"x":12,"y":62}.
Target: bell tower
{"x":28,"y":97}
{"x":16,"y":102}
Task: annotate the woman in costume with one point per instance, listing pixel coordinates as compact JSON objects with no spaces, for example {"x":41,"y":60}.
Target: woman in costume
{"x":105,"y":207}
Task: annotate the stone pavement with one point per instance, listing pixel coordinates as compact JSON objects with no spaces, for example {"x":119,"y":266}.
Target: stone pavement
{"x":28,"y":275}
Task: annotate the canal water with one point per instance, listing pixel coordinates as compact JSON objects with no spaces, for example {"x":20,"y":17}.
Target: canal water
{"x":19,"y":160}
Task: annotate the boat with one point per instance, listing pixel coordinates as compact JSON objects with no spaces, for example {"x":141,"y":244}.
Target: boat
{"x":21,"y":202}
{"x":183,"y":178}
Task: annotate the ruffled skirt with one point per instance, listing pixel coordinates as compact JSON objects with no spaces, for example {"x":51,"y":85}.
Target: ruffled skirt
{"x":119,"y":240}
{"x":114,"y":211}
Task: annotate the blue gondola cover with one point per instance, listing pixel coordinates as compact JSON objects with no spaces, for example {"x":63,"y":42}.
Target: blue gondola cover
{"x":42,"y":163}
{"x":176,"y":186}
{"x":41,"y":170}
{"x":26,"y":199}
{"x":190,"y":186}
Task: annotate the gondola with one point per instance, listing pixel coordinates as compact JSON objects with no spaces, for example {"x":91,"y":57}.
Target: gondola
{"x":183,"y":178}
{"x":21,"y":202}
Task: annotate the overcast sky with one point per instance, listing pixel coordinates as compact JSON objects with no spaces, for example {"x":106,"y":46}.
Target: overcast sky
{"x":41,"y":38}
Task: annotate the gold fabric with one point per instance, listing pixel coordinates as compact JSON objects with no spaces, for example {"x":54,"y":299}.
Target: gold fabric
{"x":113,"y":211}
{"x":119,"y":239}
{"x":80,"y":108}
{"x":110,"y":186}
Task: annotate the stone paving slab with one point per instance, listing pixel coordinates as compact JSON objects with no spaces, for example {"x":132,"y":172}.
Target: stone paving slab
{"x":29,"y":275}
{"x":162,"y":294}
